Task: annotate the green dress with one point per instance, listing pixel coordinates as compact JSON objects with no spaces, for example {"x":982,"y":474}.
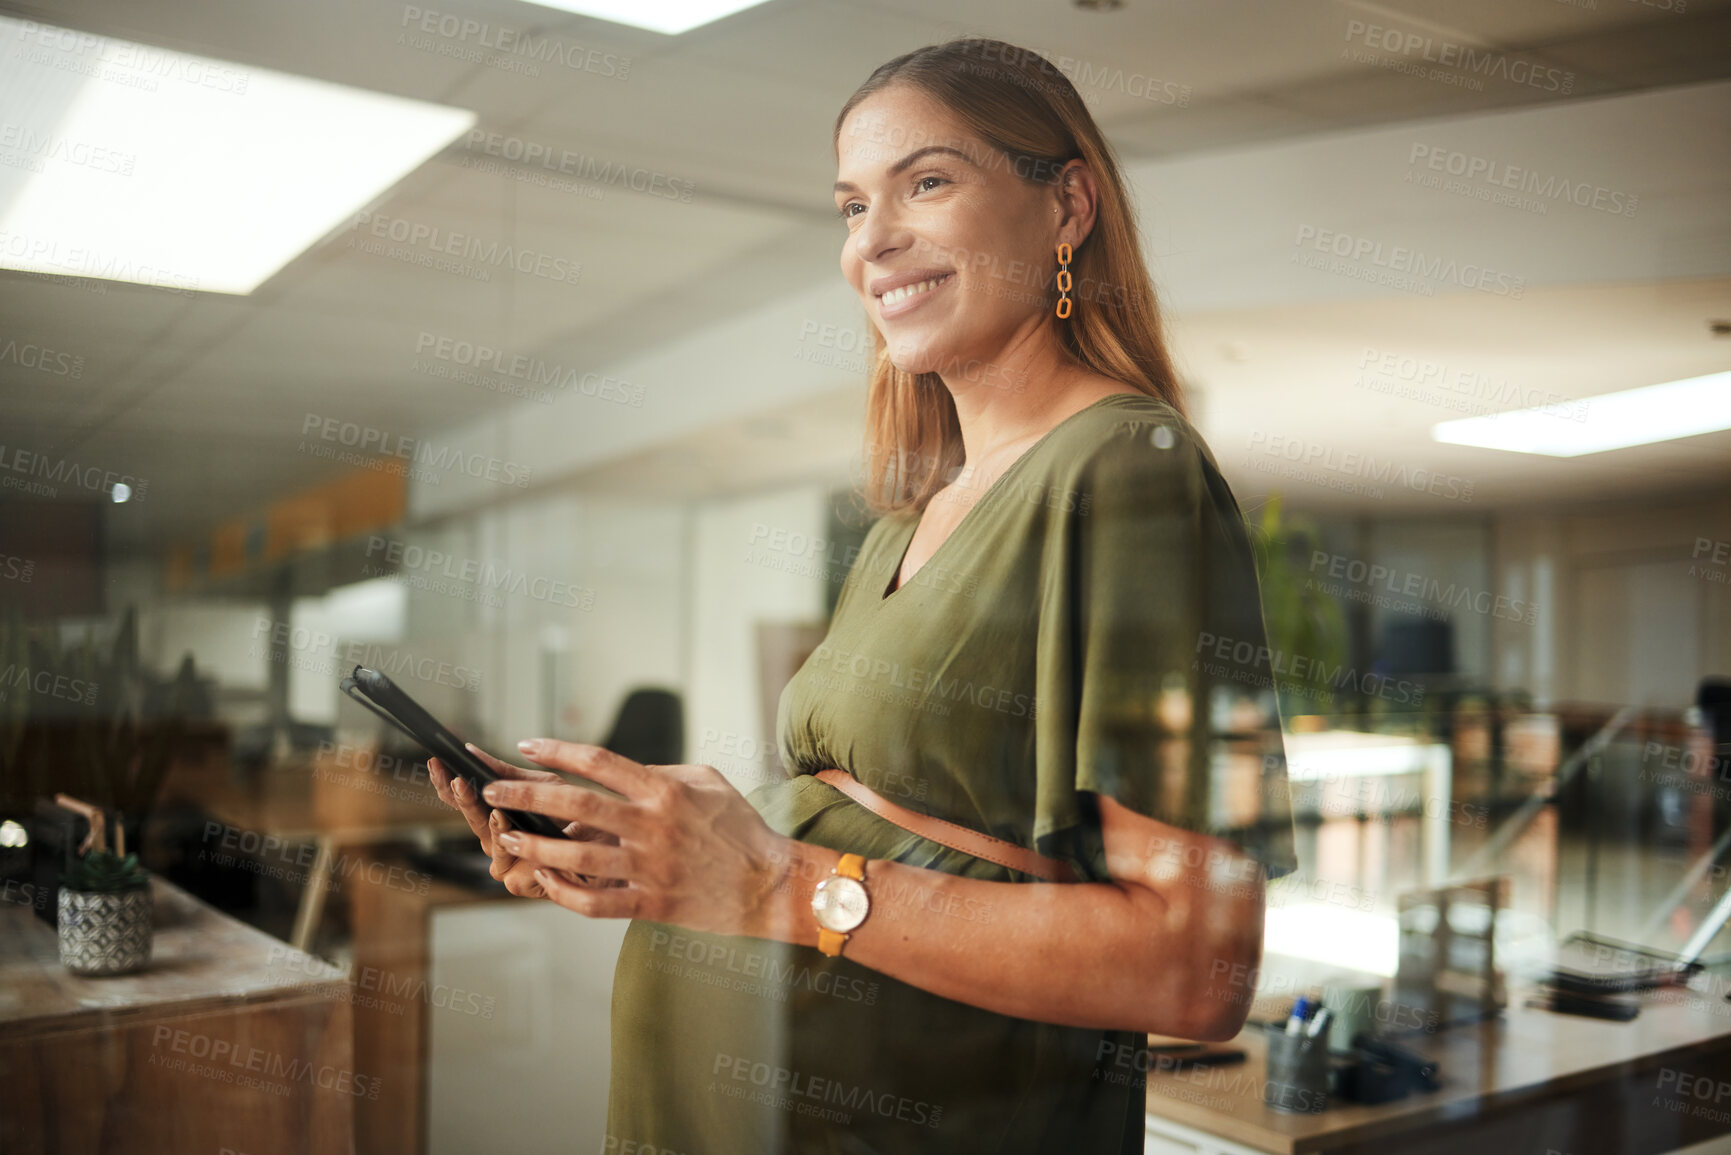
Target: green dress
{"x":1050,"y":651}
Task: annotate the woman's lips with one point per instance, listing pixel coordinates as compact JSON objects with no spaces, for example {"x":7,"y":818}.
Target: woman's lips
{"x":907,"y":298}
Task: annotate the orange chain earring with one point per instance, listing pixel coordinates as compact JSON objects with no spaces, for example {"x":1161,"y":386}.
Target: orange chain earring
{"x":1063,"y":280}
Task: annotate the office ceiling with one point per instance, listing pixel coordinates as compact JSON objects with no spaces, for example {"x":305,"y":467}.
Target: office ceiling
{"x":207,"y":393}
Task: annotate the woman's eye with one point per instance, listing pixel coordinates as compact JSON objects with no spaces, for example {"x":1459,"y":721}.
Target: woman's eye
{"x":846,"y":211}
{"x":927,"y":183}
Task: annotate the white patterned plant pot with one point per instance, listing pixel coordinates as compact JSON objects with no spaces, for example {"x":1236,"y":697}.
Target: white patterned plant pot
{"x":105,"y":932}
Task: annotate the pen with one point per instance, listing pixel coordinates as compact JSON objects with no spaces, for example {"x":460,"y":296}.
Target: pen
{"x":1318,"y":1023}
{"x":1300,"y":1010}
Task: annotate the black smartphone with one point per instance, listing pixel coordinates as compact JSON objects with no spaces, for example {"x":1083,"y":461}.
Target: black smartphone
{"x":385,"y":698}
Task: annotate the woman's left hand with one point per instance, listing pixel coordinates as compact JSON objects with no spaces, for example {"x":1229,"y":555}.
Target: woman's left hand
{"x":692,"y":851}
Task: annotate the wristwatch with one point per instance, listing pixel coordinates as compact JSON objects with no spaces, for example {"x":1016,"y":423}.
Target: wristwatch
{"x":840,"y":903}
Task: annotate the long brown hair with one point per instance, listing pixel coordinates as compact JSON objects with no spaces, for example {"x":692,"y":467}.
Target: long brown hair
{"x":1022,"y":106}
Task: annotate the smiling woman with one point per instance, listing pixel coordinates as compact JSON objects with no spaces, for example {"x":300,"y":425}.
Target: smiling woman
{"x":1003,"y":854}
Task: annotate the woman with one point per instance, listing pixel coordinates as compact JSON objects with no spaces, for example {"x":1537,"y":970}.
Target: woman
{"x":1032,"y":644}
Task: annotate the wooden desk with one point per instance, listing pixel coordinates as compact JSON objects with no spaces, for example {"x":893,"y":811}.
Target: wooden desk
{"x":340,"y":802}
{"x":392,"y":928}
{"x":1529,"y":1082}
{"x":222,"y":1042}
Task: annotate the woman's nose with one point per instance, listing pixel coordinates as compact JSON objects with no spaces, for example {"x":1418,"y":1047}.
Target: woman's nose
{"x":882,"y":234}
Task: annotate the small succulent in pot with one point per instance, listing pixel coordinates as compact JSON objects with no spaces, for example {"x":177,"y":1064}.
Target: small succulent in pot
{"x":105,"y":914}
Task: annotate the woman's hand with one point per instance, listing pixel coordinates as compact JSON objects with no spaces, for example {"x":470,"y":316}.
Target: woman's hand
{"x":687,"y":848}
{"x":488,"y":824}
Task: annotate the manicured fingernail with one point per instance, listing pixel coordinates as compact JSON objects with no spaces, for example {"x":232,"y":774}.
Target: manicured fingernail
{"x":531,"y":745}
{"x":492,"y":792}
{"x":543,"y":877}
{"x":459,"y":787}
{"x":511,"y":840}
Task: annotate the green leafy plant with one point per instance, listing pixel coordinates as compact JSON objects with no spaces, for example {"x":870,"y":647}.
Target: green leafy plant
{"x":104,"y":871}
{"x":1303,"y":621}
{"x":119,"y":739}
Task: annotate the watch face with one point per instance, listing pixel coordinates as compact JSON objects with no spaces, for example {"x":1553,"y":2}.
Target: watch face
{"x":840,"y":904}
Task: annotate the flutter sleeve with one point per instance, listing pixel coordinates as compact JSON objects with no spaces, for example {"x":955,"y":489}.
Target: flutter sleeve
{"x":1148,"y":577}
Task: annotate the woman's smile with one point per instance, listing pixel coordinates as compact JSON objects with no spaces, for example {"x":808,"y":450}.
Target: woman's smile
{"x":903,"y":293}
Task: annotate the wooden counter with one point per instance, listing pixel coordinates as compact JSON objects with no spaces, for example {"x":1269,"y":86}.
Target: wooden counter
{"x":228,"y":1039}
{"x":1530,"y":1081}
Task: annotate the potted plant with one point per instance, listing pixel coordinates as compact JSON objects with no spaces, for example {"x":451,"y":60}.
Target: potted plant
{"x":1302,"y":619}
{"x":106,"y":912}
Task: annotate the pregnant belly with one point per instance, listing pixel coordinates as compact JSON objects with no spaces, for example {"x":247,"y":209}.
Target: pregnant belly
{"x":811,"y":810}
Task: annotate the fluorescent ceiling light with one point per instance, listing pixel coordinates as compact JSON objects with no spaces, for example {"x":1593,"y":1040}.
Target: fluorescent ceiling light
{"x":1641,"y":416}
{"x":132,"y":163}
{"x":670,"y":16}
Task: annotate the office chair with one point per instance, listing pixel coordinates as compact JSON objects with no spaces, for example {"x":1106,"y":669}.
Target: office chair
{"x":650,"y":728}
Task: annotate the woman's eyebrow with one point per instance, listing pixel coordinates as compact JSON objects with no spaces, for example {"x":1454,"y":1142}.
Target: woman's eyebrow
{"x":909,"y":160}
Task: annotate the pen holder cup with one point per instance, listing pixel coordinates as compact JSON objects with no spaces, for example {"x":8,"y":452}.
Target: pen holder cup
{"x":1298,"y":1068}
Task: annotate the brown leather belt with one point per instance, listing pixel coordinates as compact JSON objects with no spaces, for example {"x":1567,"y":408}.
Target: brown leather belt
{"x":948,"y":833}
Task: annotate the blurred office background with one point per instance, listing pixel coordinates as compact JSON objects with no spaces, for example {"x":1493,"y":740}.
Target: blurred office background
{"x":504,"y":347}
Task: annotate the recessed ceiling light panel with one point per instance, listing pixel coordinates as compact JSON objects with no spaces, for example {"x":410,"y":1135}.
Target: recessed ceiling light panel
{"x":1619,"y":420}
{"x":669,"y":16}
{"x":132,"y":163}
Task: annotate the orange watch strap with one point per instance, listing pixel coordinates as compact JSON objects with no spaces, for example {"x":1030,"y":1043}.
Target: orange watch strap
{"x":831,"y":942}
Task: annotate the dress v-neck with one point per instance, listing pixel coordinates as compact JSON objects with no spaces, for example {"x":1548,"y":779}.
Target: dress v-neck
{"x":886,"y":593}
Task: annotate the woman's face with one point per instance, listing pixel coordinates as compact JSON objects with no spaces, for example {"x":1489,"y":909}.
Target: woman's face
{"x":951,"y":251}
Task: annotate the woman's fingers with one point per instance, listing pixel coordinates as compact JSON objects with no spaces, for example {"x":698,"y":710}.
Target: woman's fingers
{"x":506,"y":770}
{"x":504,"y":858}
{"x":614,"y":771}
{"x":583,"y":858}
{"x":465,"y":803}
{"x":563,"y":800}
{"x":598,"y":901}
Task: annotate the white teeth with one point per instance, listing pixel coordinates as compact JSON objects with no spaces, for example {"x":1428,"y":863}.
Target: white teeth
{"x":897,"y":295}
